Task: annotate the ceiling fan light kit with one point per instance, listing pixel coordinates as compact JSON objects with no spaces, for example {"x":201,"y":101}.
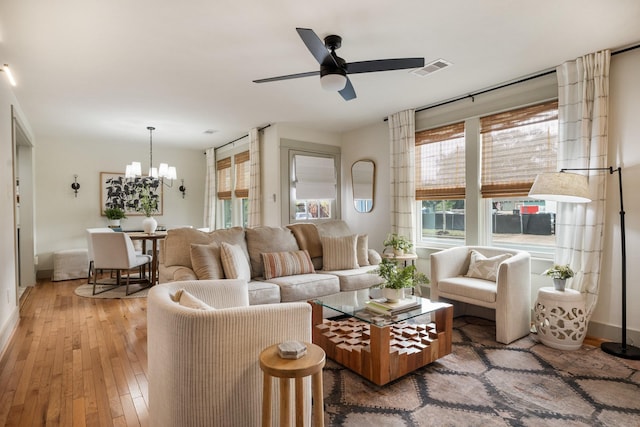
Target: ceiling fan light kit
{"x":334,"y":70}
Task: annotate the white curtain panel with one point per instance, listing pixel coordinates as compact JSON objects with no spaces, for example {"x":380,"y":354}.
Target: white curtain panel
{"x":403,"y":188}
{"x":583,"y":99}
{"x":255,"y":192}
{"x":210,"y":190}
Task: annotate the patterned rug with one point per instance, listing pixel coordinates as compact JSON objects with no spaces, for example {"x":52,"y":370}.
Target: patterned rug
{"x":484,"y":383}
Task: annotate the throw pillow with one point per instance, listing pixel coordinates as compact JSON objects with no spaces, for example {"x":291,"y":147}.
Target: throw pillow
{"x":485,"y":268}
{"x":278,"y":264}
{"x":206,"y":263}
{"x":234,"y":262}
{"x":363,"y":250}
{"x":186,"y":299}
{"x":339,"y":253}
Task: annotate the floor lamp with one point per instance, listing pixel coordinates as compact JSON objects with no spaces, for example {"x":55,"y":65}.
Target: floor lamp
{"x":573,"y":188}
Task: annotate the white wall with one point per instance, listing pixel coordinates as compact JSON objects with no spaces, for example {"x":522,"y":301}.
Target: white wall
{"x":8,"y":295}
{"x":61,"y":218}
{"x":370,"y":143}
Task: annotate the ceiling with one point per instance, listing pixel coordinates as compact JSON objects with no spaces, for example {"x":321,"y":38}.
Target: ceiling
{"x":100,"y":71}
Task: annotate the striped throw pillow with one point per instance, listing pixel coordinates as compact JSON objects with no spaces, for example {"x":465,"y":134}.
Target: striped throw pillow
{"x":278,"y":264}
{"x":339,"y":253}
{"x":234,"y":262}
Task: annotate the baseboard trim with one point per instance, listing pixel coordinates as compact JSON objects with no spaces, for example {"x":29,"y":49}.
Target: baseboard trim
{"x":612,"y":333}
{"x":8,"y":330}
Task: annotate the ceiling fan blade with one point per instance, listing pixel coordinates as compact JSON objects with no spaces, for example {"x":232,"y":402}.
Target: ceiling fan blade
{"x":348,"y":93}
{"x":384,"y":65}
{"x":288,"y":77}
{"x":315,"y":46}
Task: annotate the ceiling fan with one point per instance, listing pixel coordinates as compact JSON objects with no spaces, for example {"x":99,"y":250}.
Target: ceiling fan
{"x":333,"y":69}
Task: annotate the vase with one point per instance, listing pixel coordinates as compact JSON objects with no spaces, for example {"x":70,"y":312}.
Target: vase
{"x":114,"y":223}
{"x":398,"y":252}
{"x":393,"y":295}
{"x":558,"y":284}
{"x":149,"y":225}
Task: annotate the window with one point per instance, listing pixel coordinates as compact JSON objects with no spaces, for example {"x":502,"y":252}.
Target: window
{"x":440,"y":181}
{"x":309,"y":181}
{"x":315,"y":186}
{"x":473,"y":179}
{"x":516,"y":146}
{"x":233,"y":190}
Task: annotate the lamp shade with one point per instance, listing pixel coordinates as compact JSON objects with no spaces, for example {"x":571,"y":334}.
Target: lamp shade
{"x":333,"y":82}
{"x":561,"y":187}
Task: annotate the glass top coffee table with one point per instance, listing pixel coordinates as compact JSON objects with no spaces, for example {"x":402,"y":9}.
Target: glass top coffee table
{"x":383,"y":348}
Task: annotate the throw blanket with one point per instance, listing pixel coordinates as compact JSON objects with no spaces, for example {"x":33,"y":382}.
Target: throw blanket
{"x":308,"y":238}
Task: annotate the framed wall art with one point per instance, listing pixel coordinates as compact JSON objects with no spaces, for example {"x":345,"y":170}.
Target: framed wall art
{"x":118,"y":191}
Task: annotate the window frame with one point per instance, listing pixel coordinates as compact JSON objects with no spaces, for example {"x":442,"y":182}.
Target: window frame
{"x":237,"y":202}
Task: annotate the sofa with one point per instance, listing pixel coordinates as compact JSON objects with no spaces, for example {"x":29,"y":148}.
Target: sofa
{"x":204,"y":344}
{"x":303,"y":261}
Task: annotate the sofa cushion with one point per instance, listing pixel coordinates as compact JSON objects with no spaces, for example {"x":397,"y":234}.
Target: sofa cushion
{"x":278,"y":264}
{"x":481,"y":267}
{"x":308,"y":238}
{"x":356,"y":279}
{"x":234,"y":262}
{"x":475,"y":289}
{"x":206,"y":262}
{"x":339,"y":253}
{"x":263,"y":293}
{"x":177,"y":244}
{"x":265,"y":240}
{"x":333,"y":228}
{"x":303,"y":287}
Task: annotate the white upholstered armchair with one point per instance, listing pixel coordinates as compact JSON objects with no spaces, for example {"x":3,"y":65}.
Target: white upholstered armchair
{"x":509,"y":294}
{"x":203,"y":364}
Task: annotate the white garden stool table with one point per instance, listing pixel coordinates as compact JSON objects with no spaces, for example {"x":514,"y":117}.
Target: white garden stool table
{"x":560,"y":318}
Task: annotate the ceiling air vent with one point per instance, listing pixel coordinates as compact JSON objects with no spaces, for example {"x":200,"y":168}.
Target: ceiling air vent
{"x":432,"y":67}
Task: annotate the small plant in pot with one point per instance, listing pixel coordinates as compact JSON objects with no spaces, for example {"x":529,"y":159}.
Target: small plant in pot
{"x":114,"y":214}
{"x":397,"y":278}
{"x":398,"y":243}
{"x":560,"y":274}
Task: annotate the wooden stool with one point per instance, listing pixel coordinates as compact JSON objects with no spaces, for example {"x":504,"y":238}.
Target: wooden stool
{"x":275,"y":366}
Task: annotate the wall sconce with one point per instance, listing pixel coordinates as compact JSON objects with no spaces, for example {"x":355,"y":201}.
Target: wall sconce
{"x":75,"y":186}
{"x":182,"y":188}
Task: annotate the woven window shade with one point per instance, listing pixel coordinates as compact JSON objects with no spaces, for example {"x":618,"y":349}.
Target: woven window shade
{"x":223,"y":174}
{"x":517,"y":145}
{"x":440,"y":163}
{"x":241,"y":162}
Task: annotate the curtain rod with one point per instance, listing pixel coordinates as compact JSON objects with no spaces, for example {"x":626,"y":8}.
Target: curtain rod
{"x":521,"y":80}
{"x":238,"y":139}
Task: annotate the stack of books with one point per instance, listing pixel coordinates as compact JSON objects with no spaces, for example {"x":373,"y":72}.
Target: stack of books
{"x":382,"y":306}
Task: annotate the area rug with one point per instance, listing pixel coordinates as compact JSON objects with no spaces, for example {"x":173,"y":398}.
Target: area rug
{"x":86,"y":291}
{"x":484,"y":383}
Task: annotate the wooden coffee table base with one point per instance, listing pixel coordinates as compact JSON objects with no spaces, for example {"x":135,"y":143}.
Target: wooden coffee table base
{"x":383,"y":354}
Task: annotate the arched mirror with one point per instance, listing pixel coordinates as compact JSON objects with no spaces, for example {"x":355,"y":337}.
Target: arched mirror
{"x":363,"y":177}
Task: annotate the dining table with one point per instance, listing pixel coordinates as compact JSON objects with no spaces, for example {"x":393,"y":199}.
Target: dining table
{"x":153,"y":238}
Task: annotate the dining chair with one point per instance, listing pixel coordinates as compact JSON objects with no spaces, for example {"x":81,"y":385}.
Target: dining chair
{"x":115,"y":251}
{"x":89,"y":232}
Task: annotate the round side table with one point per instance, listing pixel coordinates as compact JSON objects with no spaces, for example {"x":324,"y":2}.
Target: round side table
{"x":560,"y":318}
{"x":275,"y":366}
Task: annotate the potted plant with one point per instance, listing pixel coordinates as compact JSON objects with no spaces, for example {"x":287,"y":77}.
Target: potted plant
{"x":560,"y":274}
{"x":148,"y":204}
{"x":398,"y":243}
{"x":397,"y":278}
{"x":114,"y":214}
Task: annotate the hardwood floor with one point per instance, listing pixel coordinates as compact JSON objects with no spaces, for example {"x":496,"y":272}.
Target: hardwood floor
{"x":75,"y":361}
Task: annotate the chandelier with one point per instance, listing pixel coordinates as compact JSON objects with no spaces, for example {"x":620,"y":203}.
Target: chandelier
{"x":163,"y":171}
